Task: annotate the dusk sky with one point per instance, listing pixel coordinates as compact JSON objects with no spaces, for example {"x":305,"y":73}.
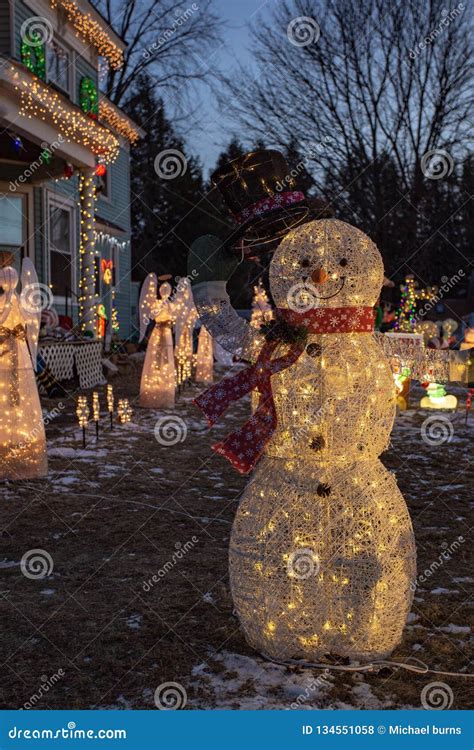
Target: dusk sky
{"x":216,"y":128}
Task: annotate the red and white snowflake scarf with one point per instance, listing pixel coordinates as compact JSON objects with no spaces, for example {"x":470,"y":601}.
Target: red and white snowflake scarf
{"x":244,"y":447}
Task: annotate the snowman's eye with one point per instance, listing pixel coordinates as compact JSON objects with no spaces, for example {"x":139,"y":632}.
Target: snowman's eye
{"x":305,"y":263}
{"x":343,"y":262}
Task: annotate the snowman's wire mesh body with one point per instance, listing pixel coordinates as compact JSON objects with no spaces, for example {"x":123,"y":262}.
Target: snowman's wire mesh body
{"x":322,"y":553}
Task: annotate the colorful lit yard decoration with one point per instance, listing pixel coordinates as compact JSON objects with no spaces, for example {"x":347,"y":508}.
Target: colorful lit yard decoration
{"x":158,"y":383}
{"x":22,"y":435}
{"x":322,"y":554}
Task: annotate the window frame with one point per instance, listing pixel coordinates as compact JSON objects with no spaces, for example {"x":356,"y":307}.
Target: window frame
{"x":53,"y":200}
{"x":70,"y":70}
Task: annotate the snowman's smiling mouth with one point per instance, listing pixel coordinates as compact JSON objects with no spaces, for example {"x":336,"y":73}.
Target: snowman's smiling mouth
{"x":330,"y":296}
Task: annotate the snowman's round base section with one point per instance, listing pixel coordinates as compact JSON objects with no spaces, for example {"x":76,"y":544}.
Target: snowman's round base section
{"x":315,"y":575}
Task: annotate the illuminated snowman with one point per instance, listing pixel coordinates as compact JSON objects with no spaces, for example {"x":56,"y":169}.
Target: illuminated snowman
{"x":322,"y":553}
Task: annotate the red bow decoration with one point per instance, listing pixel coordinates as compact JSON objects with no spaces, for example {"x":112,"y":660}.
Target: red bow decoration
{"x":106,"y":264}
{"x":244,"y":447}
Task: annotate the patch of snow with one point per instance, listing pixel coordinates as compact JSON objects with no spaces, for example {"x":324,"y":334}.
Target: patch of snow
{"x":412,"y":617}
{"x":439,"y":591}
{"x":48,"y":592}
{"x":451,"y":628}
{"x":134,"y":621}
{"x":208,"y":598}
{"x":463,"y":579}
{"x":8,"y":564}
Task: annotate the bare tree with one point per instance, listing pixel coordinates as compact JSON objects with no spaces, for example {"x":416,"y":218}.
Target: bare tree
{"x":368,"y":88}
{"x":170,"y":41}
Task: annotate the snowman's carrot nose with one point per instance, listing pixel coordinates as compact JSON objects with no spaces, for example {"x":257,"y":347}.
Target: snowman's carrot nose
{"x":319,"y":276}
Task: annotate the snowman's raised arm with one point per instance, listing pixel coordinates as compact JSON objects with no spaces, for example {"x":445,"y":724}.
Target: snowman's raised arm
{"x":210,"y":265}
{"x":426,"y":365}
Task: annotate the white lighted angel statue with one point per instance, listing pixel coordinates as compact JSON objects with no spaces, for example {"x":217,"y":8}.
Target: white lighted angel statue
{"x":205,"y":358}
{"x":186,"y":317}
{"x":22,"y":435}
{"x":158,"y":383}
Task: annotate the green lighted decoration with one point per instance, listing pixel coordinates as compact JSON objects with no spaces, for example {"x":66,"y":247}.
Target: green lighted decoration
{"x":33,"y":56}
{"x":88,"y":97}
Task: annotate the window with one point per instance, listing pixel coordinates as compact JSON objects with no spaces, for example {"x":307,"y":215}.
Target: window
{"x":58,"y":65}
{"x":61,"y":249}
{"x":103,"y":185}
{"x":11,"y":221}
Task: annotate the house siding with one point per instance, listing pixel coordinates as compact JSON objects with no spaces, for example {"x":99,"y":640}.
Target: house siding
{"x":5,"y":27}
{"x":114,"y":210}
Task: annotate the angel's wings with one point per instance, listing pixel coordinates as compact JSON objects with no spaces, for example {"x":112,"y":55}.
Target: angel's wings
{"x":34,"y":298}
{"x":148,"y":297}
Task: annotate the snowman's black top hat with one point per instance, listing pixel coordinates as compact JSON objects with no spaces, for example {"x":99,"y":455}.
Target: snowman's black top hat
{"x":260,"y":191}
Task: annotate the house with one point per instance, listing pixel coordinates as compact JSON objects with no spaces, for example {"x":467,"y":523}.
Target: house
{"x":65,"y":159}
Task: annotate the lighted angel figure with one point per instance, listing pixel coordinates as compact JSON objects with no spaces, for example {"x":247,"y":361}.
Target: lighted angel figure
{"x":158,"y":383}
{"x":22,"y":434}
{"x":205,"y":358}
{"x":186,"y":317}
